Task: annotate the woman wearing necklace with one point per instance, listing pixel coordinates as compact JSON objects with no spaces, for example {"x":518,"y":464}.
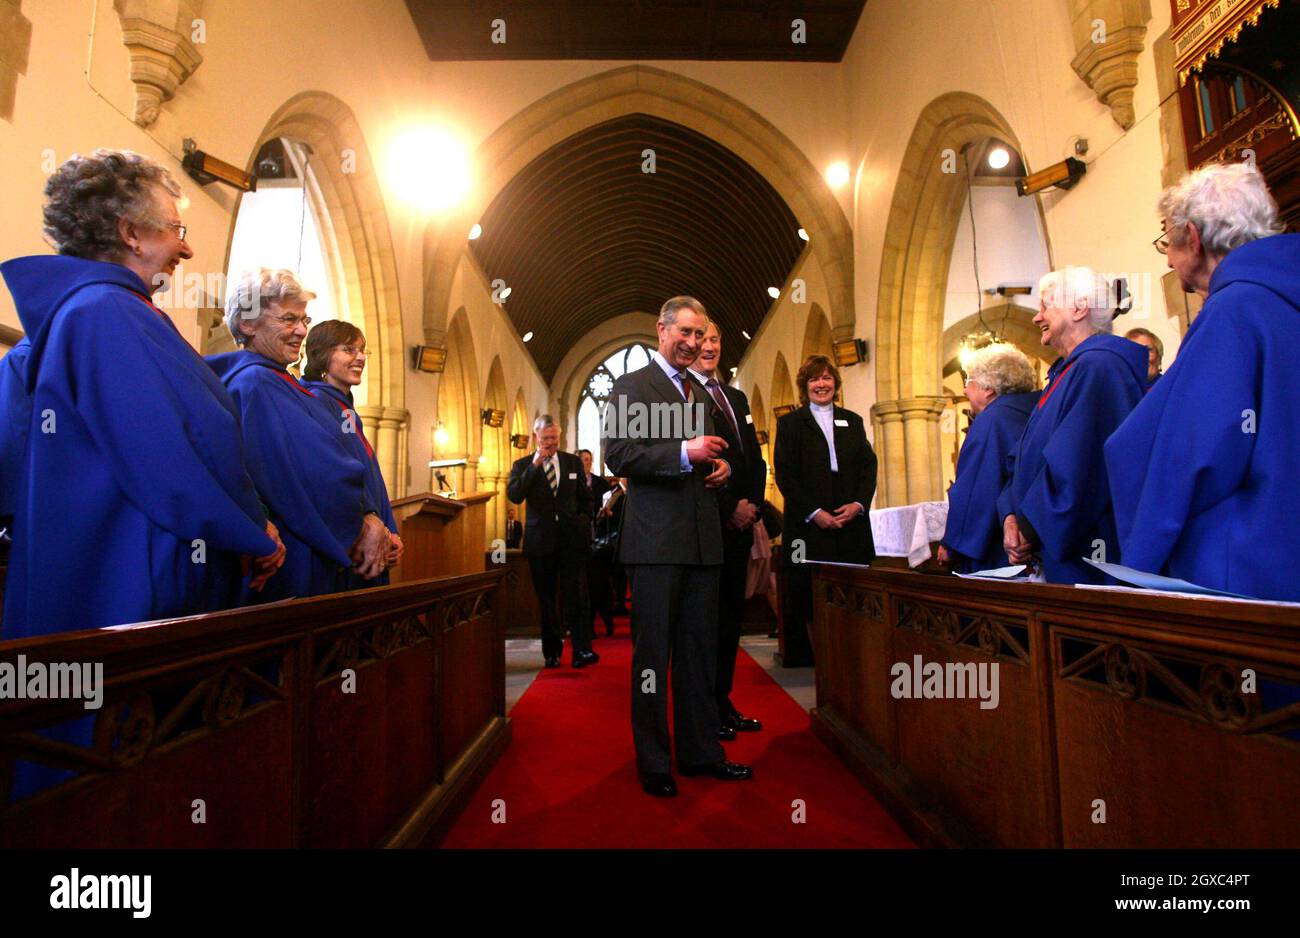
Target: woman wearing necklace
{"x":336,"y":361}
{"x":826,"y":470}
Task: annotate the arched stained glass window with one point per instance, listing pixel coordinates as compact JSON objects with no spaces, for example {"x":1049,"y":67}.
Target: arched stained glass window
{"x":595,"y":394}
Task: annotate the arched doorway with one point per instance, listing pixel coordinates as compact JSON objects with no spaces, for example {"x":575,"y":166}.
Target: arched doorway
{"x":928,"y":199}
{"x":455,"y":435}
{"x":494,"y":463}
{"x":759,"y":414}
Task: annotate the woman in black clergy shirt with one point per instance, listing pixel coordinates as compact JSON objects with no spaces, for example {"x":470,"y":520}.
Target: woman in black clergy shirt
{"x":826,"y":470}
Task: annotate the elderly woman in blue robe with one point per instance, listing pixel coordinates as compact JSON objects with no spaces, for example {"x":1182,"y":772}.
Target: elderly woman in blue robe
{"x":1056,"y":508}
{"x":130,"y":496}
{"x":336,"y":363}
{"x":312,"y":482}
{"x":1002,"y":390}
{"x":1203,"y":473}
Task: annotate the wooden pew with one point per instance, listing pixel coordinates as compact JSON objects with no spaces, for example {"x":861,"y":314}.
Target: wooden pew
{"x":247,"y":712}
{"x":1118,"y":702}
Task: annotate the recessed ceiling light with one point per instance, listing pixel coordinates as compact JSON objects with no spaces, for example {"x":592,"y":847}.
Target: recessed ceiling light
{"x":733,"y":370}
{"x":774,"y":292}
{"x":803,"y":234}
{"x":527,"y":336}
{"x":837,"y":174}
{"x":475,"y":232}
{"x":999,"y":158}
{"x":744,"y":333}
{"x":506,"y":292}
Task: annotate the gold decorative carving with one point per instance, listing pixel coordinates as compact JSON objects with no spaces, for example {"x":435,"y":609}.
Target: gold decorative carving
{"x":1191,"y":56}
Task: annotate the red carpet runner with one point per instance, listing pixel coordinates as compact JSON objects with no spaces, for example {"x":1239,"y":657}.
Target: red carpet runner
{"x":569,"y":777}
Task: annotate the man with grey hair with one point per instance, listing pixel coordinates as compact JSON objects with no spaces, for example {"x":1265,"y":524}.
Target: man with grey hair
{"x":557,"y":533}
{"x":1155,"y":352}
{"x":671,"y":542}
{"x":1055,"y":509}
{"x":306,"y":472}
{"x":1203,"y":472}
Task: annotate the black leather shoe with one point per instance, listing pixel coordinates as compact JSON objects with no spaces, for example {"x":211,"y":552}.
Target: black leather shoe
{"x":741,"y":723}
{"x":726,"y":733}
{"x":661,"y":786}
{"x":583,"y":658}
{"x":552,"y":662}
{"x":724,"y":770}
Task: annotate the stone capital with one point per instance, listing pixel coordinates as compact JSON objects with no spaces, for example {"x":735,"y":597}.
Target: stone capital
{"x":1108,"y":38}
{"x":158,"y":36}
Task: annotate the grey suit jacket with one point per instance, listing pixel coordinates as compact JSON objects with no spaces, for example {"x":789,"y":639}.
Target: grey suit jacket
{"x":670,"y":517}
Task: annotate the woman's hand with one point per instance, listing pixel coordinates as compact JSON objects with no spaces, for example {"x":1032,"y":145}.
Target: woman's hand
{"x":263,"y":568}
{"x":395,"y":550}
{"x":846,"y":513}
{"x":827,"y":521}
{"x":1017,"y":546}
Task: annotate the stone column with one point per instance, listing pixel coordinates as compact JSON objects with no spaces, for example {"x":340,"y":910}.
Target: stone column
{"x":909,"y":451}
{"x":386,"y":428}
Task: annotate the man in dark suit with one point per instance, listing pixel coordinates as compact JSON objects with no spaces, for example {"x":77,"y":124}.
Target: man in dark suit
{"x":658,"y":434}
{"x":557,"y":535}
{"x":599,"y":591}
{"x":514,"y":530}
{"x":740,"y":505}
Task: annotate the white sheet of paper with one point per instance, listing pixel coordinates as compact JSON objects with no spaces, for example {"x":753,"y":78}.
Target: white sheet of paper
{"x":999,"y":573}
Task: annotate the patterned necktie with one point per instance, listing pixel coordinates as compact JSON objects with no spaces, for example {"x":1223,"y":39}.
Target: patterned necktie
{"x":715,"y":391}
{"x":551,"y":477}
{"x":685,"y":379}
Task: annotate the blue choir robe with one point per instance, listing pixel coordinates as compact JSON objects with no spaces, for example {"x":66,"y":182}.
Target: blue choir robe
{"x":974,"y":533}
{"x":311,"y":481}
{"x":15,"y":421}
{"x":1058,"y":483}
{"x":338,"y":404}
{"x":133,"y":500}
{"x":1203,"y":473}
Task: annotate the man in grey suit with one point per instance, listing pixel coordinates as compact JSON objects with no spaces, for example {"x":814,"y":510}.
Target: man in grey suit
{"x":658,"y":434}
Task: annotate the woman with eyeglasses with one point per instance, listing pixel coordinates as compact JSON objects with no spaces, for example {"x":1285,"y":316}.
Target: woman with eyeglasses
{"x":312,"y":480}
{"x":336,"y":361}
{"x":125,"y":476}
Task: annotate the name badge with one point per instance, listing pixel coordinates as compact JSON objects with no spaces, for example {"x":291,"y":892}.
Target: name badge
{"x":573,"y":475}
{"x":749,"y":418}
{"x":841,"y":423}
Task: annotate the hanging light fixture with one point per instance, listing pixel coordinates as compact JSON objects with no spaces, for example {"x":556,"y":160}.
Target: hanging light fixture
{"x":983,"y":336}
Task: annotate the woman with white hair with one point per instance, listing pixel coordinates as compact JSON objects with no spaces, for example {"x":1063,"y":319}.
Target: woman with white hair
{"x":131,"y":498}
{"x":310,"y":478}
{"x":1055,"y":509}
{"x":1203,"y":473}
{"x":1002,"y":390}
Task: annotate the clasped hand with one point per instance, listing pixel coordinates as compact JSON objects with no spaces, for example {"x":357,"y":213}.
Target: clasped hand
{"x":833,"y":521}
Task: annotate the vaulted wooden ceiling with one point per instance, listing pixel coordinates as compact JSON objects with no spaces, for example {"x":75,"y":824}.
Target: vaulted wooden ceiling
{"x":730,"y":30}
{"x":582,"y":235}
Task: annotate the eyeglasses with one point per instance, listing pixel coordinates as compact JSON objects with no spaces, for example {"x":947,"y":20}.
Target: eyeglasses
{"x":178,"y":228}
{"x":1161,"y":243}
{"x":291,"y":322}
{"x":352,"y":351}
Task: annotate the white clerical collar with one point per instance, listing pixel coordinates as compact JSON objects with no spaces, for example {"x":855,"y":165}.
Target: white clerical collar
{"x":821,"y":408}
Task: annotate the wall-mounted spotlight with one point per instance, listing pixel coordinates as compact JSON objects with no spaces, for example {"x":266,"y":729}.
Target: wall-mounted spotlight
{"x":428,"y":358}
{"x":1013,"y":289}
{"x":205,"y":169}
{"x":779,"y":412}
{"x":1062,"y":175}
{"x":519,"y":441}
{"x":762,"y":437}
{"x":849,"y":351}
{"x":493,"y":418}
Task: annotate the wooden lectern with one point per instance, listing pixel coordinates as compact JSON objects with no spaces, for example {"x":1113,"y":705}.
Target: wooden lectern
{"x":443,"y":536}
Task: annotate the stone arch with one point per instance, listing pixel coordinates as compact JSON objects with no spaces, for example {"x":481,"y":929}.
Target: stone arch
{"x":644,"y":89}
{"x":350,"y":197}
{"x":817,"y":335}
{"x":458,"y":405}
{"x":568,"y":391}
{"x":782,"y":395}
{"x":919,"y":235}
{"x":1015,"y":324}
{"x":494,"y":463}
